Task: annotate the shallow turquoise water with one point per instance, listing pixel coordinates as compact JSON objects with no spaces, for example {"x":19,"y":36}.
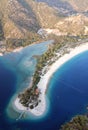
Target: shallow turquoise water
{"x":67,"y":90}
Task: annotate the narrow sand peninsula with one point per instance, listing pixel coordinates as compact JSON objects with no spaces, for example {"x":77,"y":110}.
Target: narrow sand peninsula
{"x":42,"y":85}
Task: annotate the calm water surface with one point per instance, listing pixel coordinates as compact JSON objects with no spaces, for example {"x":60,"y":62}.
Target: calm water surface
{"x":67,"y":91}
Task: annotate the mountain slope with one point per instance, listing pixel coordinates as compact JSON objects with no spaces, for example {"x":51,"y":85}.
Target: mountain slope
{"x":79,"y":5}
{"x":64,"y":7}
{"x":21,"y":19}
{"x":67,"y":6}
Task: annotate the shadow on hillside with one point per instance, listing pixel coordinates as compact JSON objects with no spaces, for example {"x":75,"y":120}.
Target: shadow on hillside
{"x":24,"y":17}
{"x":63,"y":7}
{"x":1,"y":32}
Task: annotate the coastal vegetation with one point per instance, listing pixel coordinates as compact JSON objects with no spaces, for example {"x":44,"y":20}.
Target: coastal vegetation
{"x":15,"y":43}
{"x":64,"y":21}
{"x":21,"y":20}
{"x":30,"y":98}
{"x":79,"y":122}
{"x":11,"y":44}
{"x":55,"y":51}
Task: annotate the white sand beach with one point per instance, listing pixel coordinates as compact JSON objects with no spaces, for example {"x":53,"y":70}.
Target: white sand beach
{"x":42,"y":85}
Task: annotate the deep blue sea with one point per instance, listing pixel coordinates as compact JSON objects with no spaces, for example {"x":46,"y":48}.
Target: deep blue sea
{"x":67,"y":92}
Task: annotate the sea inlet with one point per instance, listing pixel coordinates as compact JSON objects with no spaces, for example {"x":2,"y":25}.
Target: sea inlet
{"x":67,"y":91}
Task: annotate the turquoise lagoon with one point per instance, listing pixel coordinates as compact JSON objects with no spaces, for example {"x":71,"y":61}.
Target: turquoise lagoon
{"x":67,"y":91}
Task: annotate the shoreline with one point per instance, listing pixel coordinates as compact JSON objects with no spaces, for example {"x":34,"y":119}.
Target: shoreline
{"x":44,"y":80}
{"x":18,"y":49}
